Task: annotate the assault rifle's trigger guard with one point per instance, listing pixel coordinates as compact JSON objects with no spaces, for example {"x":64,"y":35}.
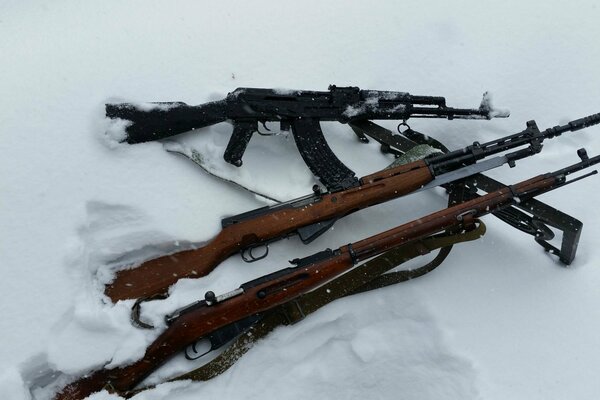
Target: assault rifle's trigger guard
{"x":264,"y":125}
{"x":248,"y":255}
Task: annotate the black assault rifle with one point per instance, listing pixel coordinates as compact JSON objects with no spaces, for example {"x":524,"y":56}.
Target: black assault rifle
{"x":298,"y":110}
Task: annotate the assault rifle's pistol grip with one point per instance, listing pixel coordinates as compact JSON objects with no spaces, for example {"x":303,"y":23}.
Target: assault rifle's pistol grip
{"x":242,"y":133}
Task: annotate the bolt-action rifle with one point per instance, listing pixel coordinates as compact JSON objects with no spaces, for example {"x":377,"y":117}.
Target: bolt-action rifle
{"x":298,"y":110}
{"x":252,"y":298}
{"x":312,"y":215}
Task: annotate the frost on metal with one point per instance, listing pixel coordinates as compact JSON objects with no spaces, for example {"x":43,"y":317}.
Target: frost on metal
{"x":160,"y":106}
{"x":372,"y":103}
{"x":287,"y":92}
{"x":486,"y":104}
{"x":115,"y":131}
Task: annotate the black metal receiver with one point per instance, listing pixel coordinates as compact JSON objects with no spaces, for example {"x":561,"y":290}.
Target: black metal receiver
{"x":298,"y":110}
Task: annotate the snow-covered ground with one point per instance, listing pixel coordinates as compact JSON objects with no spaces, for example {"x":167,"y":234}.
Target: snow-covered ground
{"x":500,"y":319}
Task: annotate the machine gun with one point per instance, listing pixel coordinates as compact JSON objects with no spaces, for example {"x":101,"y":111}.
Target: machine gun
{"x":260,"y":295}
{"x":312,"y":215}
{"x":298,"y":110}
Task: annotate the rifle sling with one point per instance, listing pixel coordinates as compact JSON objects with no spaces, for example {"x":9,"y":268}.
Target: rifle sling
{"x":370,"y":275}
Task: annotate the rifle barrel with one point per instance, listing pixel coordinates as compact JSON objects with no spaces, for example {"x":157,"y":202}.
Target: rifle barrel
{"x":572,"y":126}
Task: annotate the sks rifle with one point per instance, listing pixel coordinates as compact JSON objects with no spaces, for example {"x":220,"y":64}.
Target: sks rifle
{"x":199,"y":319}
{"x":298,"y":110}
{"x":312,"y":215}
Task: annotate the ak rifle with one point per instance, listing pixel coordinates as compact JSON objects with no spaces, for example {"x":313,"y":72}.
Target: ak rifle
{"x":298,"y":110}
{"x":252,"y":298}
{"x":312,"y":215}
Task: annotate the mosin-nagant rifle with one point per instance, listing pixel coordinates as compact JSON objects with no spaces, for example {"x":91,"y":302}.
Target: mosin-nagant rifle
{"x":252,"y":298}
{"x":312,"y":215}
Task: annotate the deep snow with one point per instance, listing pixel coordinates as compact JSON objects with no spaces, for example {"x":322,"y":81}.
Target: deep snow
{"x":500,"y":319}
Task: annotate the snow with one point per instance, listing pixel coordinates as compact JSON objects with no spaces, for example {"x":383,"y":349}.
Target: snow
{"x":500,"y":319}
{"x":486,"y":103}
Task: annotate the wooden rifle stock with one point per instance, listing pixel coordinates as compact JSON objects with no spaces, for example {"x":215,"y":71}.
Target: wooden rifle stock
{"x":156,"y":275}
{"x":280,"y":287}
{"x":203,"y":320}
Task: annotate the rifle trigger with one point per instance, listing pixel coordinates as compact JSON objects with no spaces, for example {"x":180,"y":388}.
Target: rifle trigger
{"x":248,"y":255}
